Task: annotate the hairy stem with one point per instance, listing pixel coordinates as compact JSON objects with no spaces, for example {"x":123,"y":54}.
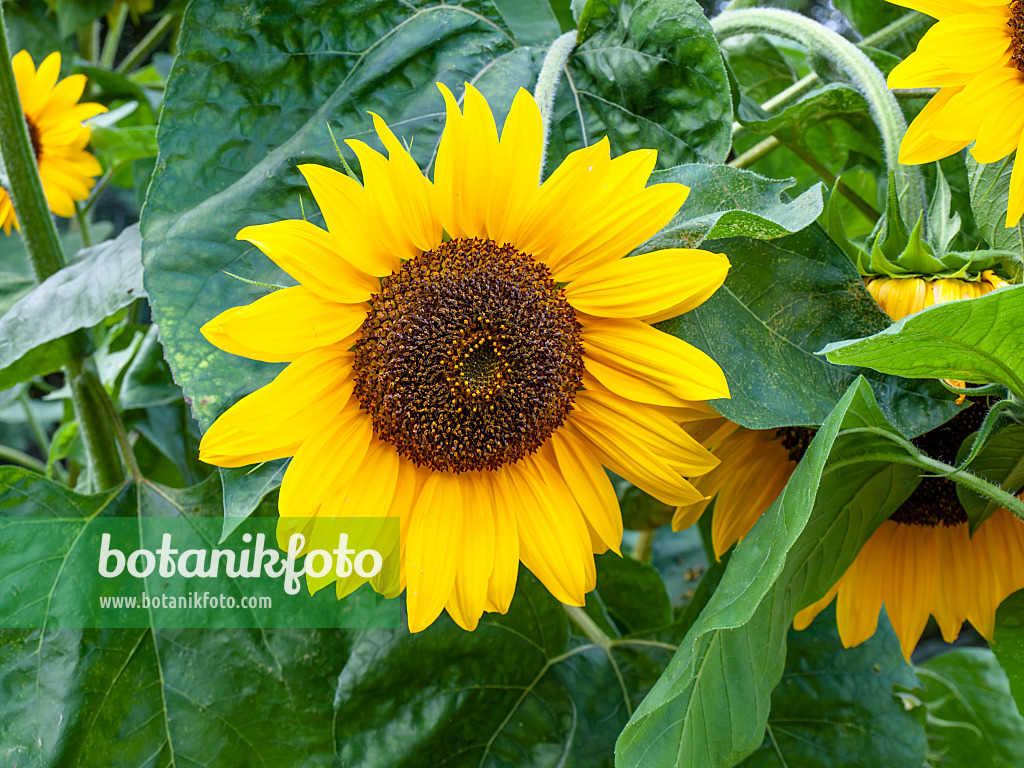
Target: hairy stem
{"x":862,"y":73}
{"x":547,"y":84}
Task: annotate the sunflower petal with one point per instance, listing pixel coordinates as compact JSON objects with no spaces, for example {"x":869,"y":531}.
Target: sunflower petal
{"x":434,"y":548}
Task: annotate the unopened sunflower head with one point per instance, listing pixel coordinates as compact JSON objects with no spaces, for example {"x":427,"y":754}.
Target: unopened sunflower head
{"x":469,"y":354}
{"x":975,"y":56}
{"x":54,"y":118}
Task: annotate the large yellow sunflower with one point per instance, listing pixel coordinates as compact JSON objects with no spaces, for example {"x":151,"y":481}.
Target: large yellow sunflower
{"x":975,"y":56}
{"x":923,"y":561}
{"x":54,"y":119}
{"x":469,"y":354}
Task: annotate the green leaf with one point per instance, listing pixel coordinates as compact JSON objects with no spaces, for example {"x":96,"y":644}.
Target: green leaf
{"x":245,"y":488}
{"x":835,"y":706}
{"x":867,"y":16}
{"x":633,"y":593}
{"x":1008,"y":646}
{"x":230,"y":163}
{"x":710,"y":708}
{"x":648,"y":74}
{"x":101,"y":698}
{"x":759,"y":66}
{"x":792,"y":122}
{"x":976,"y":341}
{"x":1001,"y":462}
{"x":990,"y":192}
{"x":971,"y":717}
{"x":729,"y":202}
{"x":532,"y":22}
{"x":782,"y":301}
{"x":101,"y":280}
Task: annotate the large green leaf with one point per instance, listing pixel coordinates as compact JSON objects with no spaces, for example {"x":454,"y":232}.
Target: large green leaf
{"x":154,"y":696}
{"x":782,"y":301}
{"x":710,"y":708}
{"x":990,"y":191}
{"x":971,"y":719}
{"x":977,"y":341}
{"x":836,"y":706}
{"x":1008,"y":644}
{"x":648,"y":74}
{"x":1001,"y":462}
{"x":100,"y":281}
{"x":730,"y":202}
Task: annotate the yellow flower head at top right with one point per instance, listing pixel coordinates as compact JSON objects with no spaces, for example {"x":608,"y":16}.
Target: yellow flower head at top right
{"x":975,"y":56}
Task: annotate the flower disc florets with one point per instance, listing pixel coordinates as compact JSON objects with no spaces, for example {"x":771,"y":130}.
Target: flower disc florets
{"x":470,"y":357}
{"x":1016,"y":24}
{"x":935,"y":501}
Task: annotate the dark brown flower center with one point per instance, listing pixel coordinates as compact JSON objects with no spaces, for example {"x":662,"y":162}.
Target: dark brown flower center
{"x":33,"y":135}
{"x":934,"y":501}
{"x":470,"y":357}
{"x":795,"y":440}
{"x":1016,"y":24}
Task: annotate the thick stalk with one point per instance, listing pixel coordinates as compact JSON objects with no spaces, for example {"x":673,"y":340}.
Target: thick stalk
{"x":856,"y":66}
{"x":547,"y":84}
{"x":87,"y":397}
{"x":40,"y":238}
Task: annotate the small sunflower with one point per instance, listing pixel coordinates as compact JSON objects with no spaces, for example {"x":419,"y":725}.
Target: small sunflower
{"x":468,"y":354}
{"x":975,"y":56}
{"x":54,"y":118}
{"x":756,"y":465}
{"x":923,"y":561}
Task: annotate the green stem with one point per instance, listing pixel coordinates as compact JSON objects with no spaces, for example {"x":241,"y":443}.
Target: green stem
{"x":39,"y":236}
{"x":88,"y":398}
{"x":83,"y":226}
{"x":831,"y":180}
{"x":97,"y":190}
{"x":755,"y":153}
{"x":120,"y":435}
{"x":113,"y":39}
{"x":547,"y":84}
{"x":147,"y":44}
{"x":914,"y":93}
{"x":860,"y":70}
{"x":588,"y":626}
{"x":26,"y":189}
{"x":14,"y":456}
{"x":644,"y":546}
{"x":38,"y":433}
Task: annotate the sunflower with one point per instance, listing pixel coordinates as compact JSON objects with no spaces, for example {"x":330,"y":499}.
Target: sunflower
{"x":469,"y":354}
{"x":755,"y":466}
{"x":54,"y":118}
{"x":923,"y":561}
{"x":975,"y":56}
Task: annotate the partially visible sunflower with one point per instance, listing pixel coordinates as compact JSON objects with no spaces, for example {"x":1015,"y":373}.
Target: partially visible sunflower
{"x":54,"y":119}
{"x":468,"y":355}
{"x":923,"y":561}
{"x":975,"y":56}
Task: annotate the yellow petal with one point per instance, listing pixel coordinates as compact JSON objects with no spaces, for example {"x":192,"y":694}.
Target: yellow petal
{"x":284,"y":325}
{"x":519,"y":153}
{"x":273,"y":421}
{"x":352,"y":220}
{"x":635,"y":348}
{"x":969,"y":42}
{"x":661,"y":284}
{"x":324,"y":462}
{"x":476,"y":555}
{"x":310,"y":255}
{"x":920,"y":144}
{"x":434,"y":548}
{"x":502,"y":585}
{"x":553,"y":540}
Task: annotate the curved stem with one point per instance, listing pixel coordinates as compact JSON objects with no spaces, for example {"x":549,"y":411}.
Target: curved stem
{"x":547,"y":84}
{"x":588,"y":626}
{"x":863,"y":74}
